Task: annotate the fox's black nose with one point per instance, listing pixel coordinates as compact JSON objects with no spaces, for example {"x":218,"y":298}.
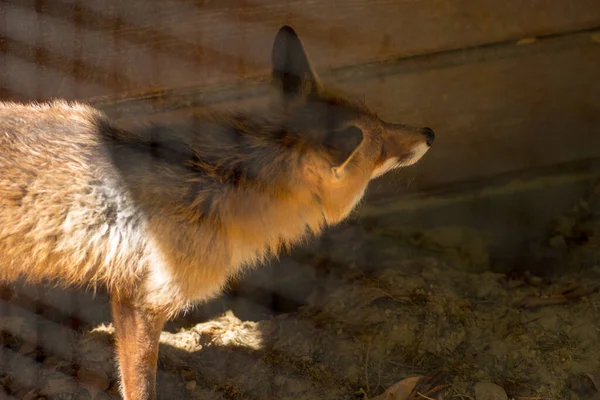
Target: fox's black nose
{"x":430,"y":135}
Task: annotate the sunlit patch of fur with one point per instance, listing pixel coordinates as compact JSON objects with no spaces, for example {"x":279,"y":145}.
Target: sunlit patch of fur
{"x":387,"y":166}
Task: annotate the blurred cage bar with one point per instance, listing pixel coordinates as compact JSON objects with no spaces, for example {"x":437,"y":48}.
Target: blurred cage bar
{"x":509,"y":86}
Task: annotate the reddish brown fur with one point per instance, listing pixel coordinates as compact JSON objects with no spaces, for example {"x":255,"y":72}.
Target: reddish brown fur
{"x":165,"y":215}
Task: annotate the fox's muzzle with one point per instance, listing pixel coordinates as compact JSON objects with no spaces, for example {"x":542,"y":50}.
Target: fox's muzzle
{"x":430,"y":134}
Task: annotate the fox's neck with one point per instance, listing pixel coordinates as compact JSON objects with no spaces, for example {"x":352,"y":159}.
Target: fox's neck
{"x":238,"y":177}
{"x":258,"y":225}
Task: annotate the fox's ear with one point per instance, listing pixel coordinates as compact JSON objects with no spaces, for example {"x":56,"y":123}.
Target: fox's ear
{"x":291,"y":69}
{"x":342,"y":143}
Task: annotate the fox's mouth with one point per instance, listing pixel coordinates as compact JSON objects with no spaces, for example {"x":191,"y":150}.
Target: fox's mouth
{"x":405,"y":160}
{"x":413,"y":156}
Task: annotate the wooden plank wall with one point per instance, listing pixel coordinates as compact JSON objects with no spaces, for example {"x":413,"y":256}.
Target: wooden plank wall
{"x":497,"y":102}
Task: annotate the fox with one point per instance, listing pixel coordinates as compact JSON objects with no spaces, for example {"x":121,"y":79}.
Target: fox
{"x":164,"y":214}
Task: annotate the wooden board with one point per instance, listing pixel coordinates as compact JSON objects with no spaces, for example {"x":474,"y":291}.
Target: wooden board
{"x":86,"y":48}
{"x":497,"y":115}
{"x":495,"y":109}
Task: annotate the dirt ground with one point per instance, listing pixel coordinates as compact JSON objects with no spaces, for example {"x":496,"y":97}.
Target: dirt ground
{"x":349,"y":316}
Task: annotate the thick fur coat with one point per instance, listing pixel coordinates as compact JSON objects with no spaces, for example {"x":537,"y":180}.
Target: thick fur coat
{"x":165,"y":214}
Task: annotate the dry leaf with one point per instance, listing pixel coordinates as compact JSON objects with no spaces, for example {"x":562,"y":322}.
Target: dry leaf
{"x":414,"y":388}
{"x":428,"y":386}
{"x":401,"y":390}
{"x":572,"y":293}
{"x":577,"y":292}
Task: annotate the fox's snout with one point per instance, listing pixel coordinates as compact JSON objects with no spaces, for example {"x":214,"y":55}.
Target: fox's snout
{"x":403,"y":145}
{"x":429,"y":135}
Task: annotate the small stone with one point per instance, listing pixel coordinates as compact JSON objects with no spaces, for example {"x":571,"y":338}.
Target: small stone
{"x":98,"y":379}
{"x":27,"y":348}
{"x":59,"y":385}
{"x":191,"y":385}
{"x":489,"y":391}
{"x":536,"y":280}
{"x":31,"y":395}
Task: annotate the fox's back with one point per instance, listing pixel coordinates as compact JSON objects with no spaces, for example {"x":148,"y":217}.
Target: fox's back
{"x":82,"y":202}
{"x":63,"y":213}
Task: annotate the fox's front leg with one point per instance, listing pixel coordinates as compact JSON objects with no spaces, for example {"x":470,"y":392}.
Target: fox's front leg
{"x":137,"y":334}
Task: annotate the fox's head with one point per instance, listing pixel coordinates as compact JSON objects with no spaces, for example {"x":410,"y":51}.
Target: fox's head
{"x":351,"y":145}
